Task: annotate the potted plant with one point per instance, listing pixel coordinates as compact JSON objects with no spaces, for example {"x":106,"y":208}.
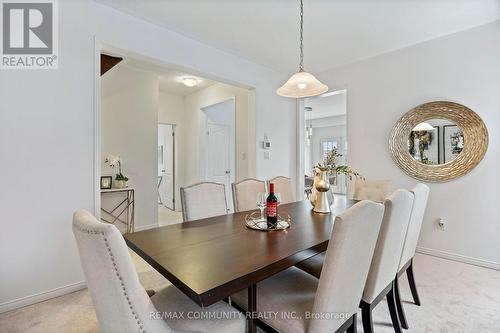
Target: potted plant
{"x":115,"y":161}
{"x":323,"y":171}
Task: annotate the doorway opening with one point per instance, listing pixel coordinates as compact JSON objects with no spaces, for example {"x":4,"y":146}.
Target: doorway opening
{"x":171,"y":128}
{"x":325,"y":129}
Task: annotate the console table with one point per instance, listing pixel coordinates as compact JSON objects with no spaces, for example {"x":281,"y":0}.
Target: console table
{"x":124,"y":211}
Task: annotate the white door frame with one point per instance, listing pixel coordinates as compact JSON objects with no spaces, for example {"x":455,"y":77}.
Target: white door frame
{"x":97,"y":128}
{"x":300,"y":138}
{"x":174,"y":160}
{"x":99,"y":46}
{"x":300,"y":147}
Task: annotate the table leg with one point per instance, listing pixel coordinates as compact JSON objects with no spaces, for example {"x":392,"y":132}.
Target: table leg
{"x":252,"y":309}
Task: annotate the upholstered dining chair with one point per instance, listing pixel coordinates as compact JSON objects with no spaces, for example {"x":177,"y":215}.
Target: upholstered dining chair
{"x":421,"y":194}
{"x":245,"y":193}
{"x":203,"y":200}
{"x":337,"y":292}
{"x":385,"y":263}
{"x":283,"y":185}
{"x":375,"y":190}
{"x":122,"y":305}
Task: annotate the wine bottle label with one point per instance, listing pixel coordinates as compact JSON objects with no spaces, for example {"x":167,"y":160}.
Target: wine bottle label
{"x":271,"y":209}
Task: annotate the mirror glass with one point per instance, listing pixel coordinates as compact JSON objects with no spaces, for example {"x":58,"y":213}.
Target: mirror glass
{"x":435,"y":141}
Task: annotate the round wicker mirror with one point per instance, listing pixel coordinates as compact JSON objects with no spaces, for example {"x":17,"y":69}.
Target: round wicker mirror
{"x":460,"y":145}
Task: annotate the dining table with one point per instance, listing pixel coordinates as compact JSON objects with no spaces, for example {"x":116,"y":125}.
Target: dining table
{"x":212,"y":258}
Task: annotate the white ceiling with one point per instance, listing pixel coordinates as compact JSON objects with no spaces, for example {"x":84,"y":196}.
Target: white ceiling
{"x":337,"y":32}
{"x":170,"y":79}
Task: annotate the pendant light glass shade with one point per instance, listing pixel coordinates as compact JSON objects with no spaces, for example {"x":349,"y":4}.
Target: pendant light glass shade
{"x":423,"y":127}
{"x":302,"y":84}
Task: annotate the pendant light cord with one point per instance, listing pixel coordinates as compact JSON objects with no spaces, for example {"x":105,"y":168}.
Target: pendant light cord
{"x":301,"y":65}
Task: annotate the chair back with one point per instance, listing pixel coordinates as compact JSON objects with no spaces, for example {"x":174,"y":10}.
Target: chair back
{"x":245,"y":193}
{"x":375,"y":190}
{"x":283,"y":186}
{"x":121,"y":303}
{"x":421,"y":194}
{"x":346,"y":264}
{"x":203,"y":200}
{"x":385,"y":263}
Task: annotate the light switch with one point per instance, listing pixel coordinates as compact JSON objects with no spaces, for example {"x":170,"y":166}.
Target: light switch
{"x":267,"y":155}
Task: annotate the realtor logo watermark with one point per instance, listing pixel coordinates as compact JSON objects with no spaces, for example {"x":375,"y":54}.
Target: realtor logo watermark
{"x":29,"y":35}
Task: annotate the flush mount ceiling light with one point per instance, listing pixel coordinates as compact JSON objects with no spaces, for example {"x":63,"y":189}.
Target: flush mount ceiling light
{"x":302,"y":84}
{"x":190,"y":81}
{"x":423,"y":127}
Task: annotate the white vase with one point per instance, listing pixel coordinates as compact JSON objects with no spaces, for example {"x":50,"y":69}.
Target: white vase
{"x":120,"y":183}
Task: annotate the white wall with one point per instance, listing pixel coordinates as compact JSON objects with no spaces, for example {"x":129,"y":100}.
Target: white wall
{"x":129,"y":129}
{"x":47,"y":140}
{"x":330,"y":121}
{"x":172,"y":112}
{"x":464,"y":68}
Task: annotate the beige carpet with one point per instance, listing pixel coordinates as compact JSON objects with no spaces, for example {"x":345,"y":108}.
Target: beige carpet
{"x":456,"y":298}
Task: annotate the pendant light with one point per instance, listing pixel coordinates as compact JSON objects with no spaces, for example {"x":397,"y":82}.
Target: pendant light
{"x":302,"y":84}
{"x":423,"y":127}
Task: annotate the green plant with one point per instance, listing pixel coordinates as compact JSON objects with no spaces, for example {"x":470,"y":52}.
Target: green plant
{"x":329,"y":164}
{"x":120,"y":176}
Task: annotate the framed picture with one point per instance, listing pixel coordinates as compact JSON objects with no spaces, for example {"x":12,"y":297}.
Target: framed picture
{"x":424,"y":146}
{"x":106,"y":182}
{"x":453,"y":142}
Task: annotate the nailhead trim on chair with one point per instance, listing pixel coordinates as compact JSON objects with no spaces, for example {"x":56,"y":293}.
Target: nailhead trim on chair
{"x":93,"y":232}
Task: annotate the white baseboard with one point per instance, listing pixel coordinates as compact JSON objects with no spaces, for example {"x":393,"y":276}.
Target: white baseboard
{"x":459,"y":258}
{"x":146,"y":227}
{"x":43,"y":296}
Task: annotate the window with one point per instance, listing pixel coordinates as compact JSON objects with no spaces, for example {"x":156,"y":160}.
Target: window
{"x":326,"y":146}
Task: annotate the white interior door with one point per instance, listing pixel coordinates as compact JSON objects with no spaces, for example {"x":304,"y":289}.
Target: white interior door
{"x":166,"y":190}
{"x":218,"y":167}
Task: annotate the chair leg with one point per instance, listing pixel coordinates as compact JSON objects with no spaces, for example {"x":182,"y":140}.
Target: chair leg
{"x":399,"y":305}
{"x":413,"y":286}
{"x":354,"y":326}
{"x":391,"y":302}
{"x":366,"y":317}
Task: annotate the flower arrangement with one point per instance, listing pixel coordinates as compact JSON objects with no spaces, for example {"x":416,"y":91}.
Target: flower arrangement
{"x":329,"y":165}
{"x":114,"y":161}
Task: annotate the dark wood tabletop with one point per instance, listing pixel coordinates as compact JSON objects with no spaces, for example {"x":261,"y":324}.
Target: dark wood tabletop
{"x":212,"y":258}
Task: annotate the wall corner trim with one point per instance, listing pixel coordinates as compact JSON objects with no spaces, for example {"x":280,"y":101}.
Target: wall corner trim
{"x":459,"y":258}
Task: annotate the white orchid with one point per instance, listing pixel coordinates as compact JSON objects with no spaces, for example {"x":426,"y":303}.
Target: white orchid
{"x":113,"y":161}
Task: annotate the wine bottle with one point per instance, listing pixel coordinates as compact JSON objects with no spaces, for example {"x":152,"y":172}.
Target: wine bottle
{"x":272,"y":208}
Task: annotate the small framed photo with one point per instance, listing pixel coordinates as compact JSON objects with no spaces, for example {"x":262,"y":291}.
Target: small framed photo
{"x":106,"y":182}
{"x":453,"y":142}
